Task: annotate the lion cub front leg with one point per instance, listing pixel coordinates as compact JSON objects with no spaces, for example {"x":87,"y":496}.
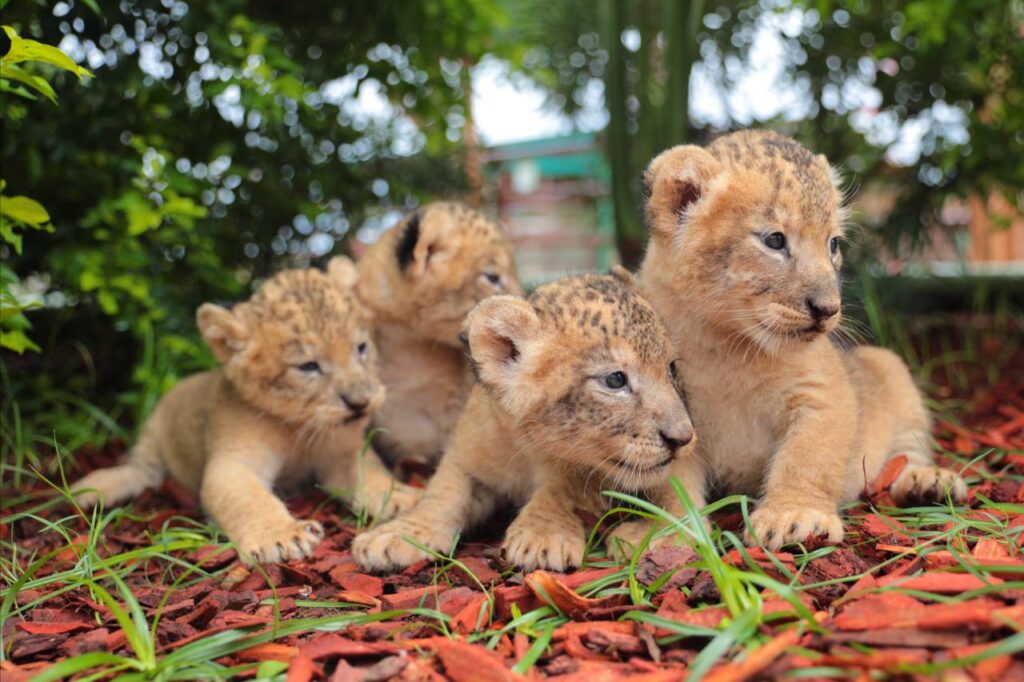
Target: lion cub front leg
{"x":236,"y":493}
{"x":547,"y":533}
{"x":366,"y":484}
{"x":453,"y":501}
{"x":805,"y":483}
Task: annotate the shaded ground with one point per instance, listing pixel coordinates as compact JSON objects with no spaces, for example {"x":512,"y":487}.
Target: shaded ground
{"x":153,"y":592}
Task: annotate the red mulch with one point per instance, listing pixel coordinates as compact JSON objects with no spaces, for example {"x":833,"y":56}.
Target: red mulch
{"x":861,"y":629}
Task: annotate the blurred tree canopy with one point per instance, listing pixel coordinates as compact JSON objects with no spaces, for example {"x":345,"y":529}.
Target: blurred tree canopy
{"x":217,"y":138}
{"x":926,"y":95}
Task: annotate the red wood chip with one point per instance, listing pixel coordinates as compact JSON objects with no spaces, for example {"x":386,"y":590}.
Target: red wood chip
{"x":940,"y":582}
{"x":465,"y":663}
{"x":35,"y":628}
{"x":358,"y":582}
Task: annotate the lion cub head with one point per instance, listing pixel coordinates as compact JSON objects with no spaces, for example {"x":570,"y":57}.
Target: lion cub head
{"x":430,"y":270}
{"x":583,"y":366}
{"x":299,"y":349}
{"x":747,"y":231}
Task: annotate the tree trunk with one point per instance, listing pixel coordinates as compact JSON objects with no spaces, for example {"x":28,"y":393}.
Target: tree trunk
{"x":682,"y":21}
{"x":628,"y":229}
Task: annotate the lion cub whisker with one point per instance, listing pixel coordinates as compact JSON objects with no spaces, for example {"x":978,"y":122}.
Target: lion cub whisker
{"x":292,"y":398}
{"x":572,"y":382}
{"x":786,"y":411}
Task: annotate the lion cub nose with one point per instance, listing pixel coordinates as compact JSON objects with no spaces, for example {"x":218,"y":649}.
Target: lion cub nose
{"x":822,"y":310}
{"x":676,"y":438}
{"x":357,"y":404}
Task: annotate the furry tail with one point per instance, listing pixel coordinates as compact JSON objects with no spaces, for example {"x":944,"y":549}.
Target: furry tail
{"x":143,"y":469}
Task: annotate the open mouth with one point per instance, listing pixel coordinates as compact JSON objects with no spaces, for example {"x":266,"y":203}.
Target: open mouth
{"x":354,"y":417}
{"x":661,"y":464}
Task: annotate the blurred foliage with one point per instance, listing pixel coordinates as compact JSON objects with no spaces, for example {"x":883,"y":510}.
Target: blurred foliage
{"x":221,"y":140}
{"x":926,"y":96}
{"x":217,"y":142}
{"x":19,"y":213}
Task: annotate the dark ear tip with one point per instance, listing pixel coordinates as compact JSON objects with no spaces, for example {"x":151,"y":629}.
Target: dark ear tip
{"x":646,"y":185}
{"x":623,"y":275}
{"x":407,"y":241}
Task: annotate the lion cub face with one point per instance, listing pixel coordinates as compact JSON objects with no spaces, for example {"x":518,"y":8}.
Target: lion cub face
{"x":751,"y":227}
{"x":300,"y":348}
{"x":584,"y":368}
{"x":430,"y":270}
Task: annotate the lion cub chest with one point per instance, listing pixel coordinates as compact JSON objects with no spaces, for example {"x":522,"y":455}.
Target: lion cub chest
{"x":428,"y":385}
{"x":735,"y":416}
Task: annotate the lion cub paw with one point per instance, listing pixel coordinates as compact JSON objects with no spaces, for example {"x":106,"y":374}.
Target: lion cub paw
{"x":625,"y":539}
{"x":382,"y":507}
{"x":385,"y":547}
{"x":554,"y":550}
{"x":926,"y":485}
{"x":777,"y":526}
{"x":283,"y":542}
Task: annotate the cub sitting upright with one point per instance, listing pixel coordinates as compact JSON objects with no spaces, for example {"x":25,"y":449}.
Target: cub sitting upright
{"x":575,"y":395}
{"x":297,"y":387}
{"x":743,"y":266}
{"x":420,"y":279}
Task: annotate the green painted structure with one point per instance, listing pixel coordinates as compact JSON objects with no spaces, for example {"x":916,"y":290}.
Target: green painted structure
{"x":552,"y":195}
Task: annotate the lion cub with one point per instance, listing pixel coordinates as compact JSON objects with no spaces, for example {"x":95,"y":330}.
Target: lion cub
{"x":420,"y":279}
{"x":743,"y":266}
{"x":297,"y":386}
{"x":575,"y":395}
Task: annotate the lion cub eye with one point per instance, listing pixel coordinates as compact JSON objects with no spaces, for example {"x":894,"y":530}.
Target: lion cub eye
{"x":493,"y":277}
{"x":833,"y":245}
{"x":615,"y":380}
{"x":311,"y":366}
{"x":672,"y":372}
{"x":363,"y":349}
{"x":775,"y":241}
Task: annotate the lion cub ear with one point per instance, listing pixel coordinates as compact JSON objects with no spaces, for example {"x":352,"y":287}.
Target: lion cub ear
{"x":425,"y":240}
{"x":342,"y":271}
{"x":676,"y":180}
{"x":623,"y":275}
{"x":504,"y":336}
{"x":222,"y":331}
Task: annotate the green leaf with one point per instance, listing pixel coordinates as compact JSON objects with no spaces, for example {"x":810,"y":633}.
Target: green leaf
{"x":9,"y":236}
{"x":24,"y":210}
{"x":108,"y":302}
{"x":142,"y":220}
{"x":37,"y":83}
{"x":23,"y":50}
{"x":89,"y":281}
{"x":66,"y":669}
{"x":17,"y":341}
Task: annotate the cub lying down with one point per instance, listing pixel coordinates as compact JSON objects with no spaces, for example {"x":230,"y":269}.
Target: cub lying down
{"x":743,"y":267}
{"x":296,"y":390}
{"x":575,"y":396}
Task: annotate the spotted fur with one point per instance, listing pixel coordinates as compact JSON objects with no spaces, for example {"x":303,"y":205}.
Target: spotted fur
{"x":420,"y":279}
{"x":544,"y":429}
{"x":783,"y":414}
{"x":295,"y":391}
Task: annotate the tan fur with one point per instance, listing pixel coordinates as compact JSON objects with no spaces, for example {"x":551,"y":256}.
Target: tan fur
{"x":419,"y":307}
{"x":233,"y":432}
{"x":783,"y":413}
{"x":543,"y":431}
